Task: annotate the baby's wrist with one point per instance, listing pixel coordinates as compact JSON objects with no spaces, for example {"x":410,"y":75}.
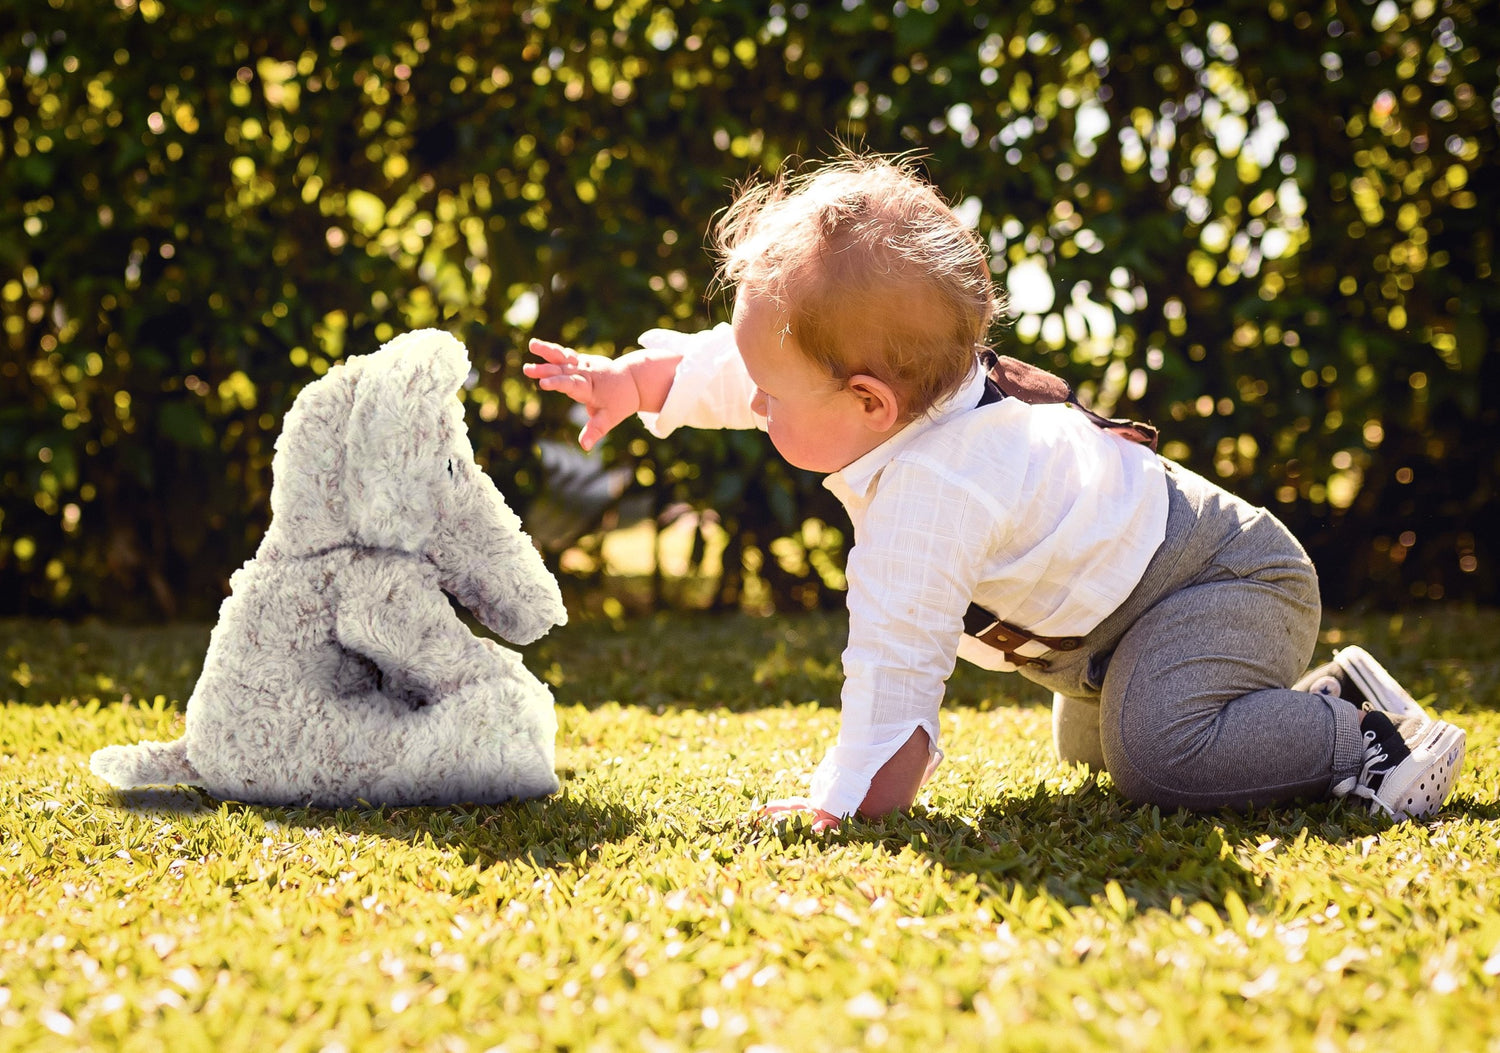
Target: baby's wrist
{"x":651,"y":371}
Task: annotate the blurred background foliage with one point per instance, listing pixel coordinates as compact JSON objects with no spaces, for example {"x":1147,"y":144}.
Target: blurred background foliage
{"x":1268,"y":226}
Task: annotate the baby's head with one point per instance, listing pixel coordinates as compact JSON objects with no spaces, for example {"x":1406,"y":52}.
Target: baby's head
{"x":870,"y":270}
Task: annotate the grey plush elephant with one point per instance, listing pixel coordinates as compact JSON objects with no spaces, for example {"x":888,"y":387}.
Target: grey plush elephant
{"x":338,"y":671}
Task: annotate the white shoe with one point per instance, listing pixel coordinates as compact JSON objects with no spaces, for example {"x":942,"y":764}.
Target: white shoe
{"x":1356,"y":677}
{"x":1411,"y":763}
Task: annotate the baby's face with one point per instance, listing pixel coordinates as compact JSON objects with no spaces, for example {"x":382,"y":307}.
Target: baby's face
{"x":815,"y":421}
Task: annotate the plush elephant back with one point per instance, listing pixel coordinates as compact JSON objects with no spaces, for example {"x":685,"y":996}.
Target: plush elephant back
{"x":338,"y":671}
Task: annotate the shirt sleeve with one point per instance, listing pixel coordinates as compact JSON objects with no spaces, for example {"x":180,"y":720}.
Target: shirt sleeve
{"x":710,"y":388}
{"x":911,"y":576}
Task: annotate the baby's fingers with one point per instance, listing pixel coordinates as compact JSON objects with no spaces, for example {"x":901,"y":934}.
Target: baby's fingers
{"x":543,"y":370}
{"x":576,"y":386}
{"x":788,"y":807}
{"x":557,"y":354}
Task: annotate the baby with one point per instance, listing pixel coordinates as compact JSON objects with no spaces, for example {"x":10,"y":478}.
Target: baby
{"x":1172,"y":620}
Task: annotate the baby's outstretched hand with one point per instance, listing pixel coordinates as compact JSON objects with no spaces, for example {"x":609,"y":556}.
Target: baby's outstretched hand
{"x":602,"y":386}
{"x":787,"y":807}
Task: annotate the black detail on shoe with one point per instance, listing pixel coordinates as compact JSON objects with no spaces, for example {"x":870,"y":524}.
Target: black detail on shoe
{"x":1385,"y":749}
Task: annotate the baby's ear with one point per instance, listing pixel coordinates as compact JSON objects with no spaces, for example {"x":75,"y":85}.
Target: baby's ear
{"x":400,"y":437}
{"x":880,"y":406}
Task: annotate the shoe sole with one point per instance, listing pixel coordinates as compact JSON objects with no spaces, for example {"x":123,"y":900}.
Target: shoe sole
{"x":1421,"y":783}
{"x":1376,"y":684}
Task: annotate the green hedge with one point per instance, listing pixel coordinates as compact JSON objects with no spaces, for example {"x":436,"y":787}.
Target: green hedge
{"x":1267,"y":230}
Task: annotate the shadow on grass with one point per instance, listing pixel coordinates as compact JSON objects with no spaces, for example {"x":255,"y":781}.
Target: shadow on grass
{"x":1465,"y":807}
{"x":1072,"y":845}
{"x":549,"y":832}
{"x":175,"y":803}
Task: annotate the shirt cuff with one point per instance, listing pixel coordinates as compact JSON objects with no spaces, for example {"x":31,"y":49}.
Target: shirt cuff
{"x":842,"y":781}
{"x":710,"y":388}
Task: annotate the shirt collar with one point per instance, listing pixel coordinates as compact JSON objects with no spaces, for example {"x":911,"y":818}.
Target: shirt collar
{"x":858,"y":476}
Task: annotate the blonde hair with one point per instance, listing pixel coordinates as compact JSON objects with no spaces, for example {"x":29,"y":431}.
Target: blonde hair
{"x":871,"y":269}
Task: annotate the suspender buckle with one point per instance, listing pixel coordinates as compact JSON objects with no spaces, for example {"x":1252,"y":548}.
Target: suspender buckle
{"x":1006,"y":638}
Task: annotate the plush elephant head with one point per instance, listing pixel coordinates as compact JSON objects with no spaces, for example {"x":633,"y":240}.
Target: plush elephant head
{"x":375,"y":455}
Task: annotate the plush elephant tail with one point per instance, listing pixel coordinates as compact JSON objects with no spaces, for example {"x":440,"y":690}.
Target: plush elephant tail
{"x":144,"y":764}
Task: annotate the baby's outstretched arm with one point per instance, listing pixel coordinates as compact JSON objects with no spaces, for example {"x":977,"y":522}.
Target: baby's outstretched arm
{"x":610,"y":389}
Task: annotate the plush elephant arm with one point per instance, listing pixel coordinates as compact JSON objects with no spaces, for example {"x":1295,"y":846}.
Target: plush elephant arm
{"x":392,"y":612}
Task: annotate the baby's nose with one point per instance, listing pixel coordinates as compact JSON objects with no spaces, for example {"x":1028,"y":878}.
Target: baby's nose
{"x":758,"y":403}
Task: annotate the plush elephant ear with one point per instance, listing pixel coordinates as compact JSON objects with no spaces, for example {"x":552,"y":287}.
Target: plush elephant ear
{"x":308,"y":512}
{"x":400,"y":437}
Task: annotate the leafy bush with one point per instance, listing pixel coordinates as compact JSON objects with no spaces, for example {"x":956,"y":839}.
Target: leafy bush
{"x":1264,"y":229}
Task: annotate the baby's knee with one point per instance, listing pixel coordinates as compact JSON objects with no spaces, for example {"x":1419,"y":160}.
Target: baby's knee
{"x":1151,"y":766}
{"x":1146,"y":786}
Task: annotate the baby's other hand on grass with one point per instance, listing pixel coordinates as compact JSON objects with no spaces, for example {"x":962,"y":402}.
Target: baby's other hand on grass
{"x":787,"y":807}
{"x":602,"y":386}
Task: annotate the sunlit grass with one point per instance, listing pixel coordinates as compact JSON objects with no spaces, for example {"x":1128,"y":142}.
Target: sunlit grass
{"x":1021,"y":906}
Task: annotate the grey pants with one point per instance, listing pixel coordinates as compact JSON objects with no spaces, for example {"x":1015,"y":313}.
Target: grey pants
{"x":1182,"y":693}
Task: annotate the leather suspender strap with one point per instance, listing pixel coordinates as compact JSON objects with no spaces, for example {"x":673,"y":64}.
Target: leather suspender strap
{"x":1005,"y":638}
{"x":1011,"y":378}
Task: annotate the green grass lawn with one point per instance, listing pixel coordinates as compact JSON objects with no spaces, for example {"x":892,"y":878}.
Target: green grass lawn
{"x":1022,"y":906}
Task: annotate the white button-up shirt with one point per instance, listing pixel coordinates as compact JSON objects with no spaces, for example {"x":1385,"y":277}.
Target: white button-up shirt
{"x":1032,"y":512}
